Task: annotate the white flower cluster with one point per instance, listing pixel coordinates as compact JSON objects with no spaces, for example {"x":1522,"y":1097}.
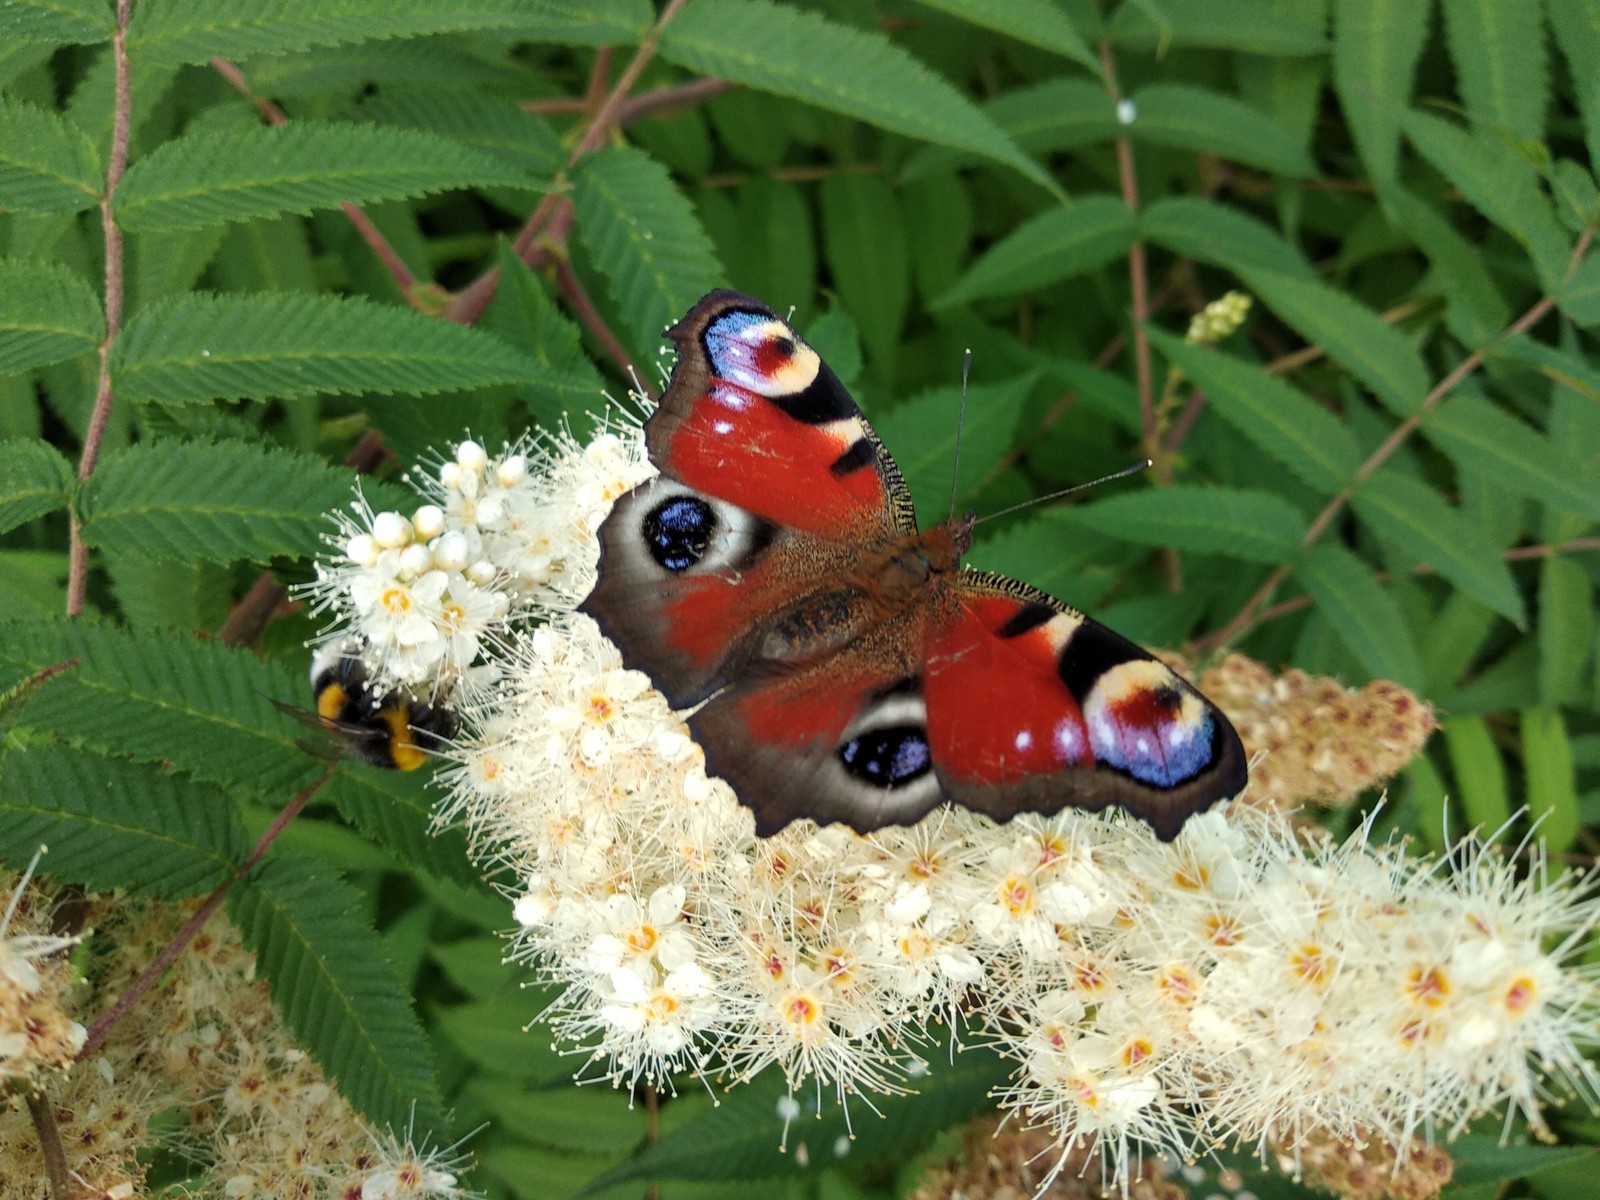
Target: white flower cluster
{"x":422,"y":599}
{"x":1236,"y":984}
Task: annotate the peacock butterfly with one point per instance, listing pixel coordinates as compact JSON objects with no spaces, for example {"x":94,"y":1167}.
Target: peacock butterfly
{"x":845,"y":665}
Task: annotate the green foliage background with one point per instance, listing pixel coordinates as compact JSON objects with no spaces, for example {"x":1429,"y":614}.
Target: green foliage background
{"x":1405,"y":436}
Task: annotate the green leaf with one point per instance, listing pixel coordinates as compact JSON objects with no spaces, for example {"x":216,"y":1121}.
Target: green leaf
{"x":1498,"y":182}
{"x":1480,"y":773}
{"x":206,"y":179}
{"x":1477,"y":310}
{"x":1376,"y":46}
{"x":862,"y":75}
{"x":1456,"y":633}
{"x":1220,"y":235}
{"x":205,"y":347}
{"x":1355,"y":337}
{"x":1578,"y":293}
{"x":163,"y":697}
{"x":48,"y":313}
{"x":395,"y":809}
{"x":1481,"y":1159}
{"x":592,"y":1121}
{"x":55,"y":22}
{"x":1520,"y":460}
{"x":1361,"y":612}
{"x":47,"y":164}
{"x":1255,"y":526}
{"x":326,"y":972}
{"x":495,"y":1036}
{"x":921,"y":434}
{"x":495,"y":124}
{"x":1058,"y":114}
{"x":1566,"y":629}
{"x":175,"y":31}
{"x":528,"y":319}
{"x":1550,"y":777}
{"x":1057,"y":244}
{"x":740,"y":1139}
{"x":1577,"y":31}
{"x":1497,"y":47}
{"x":647,"y":240}
{"x":1248,"y":25}
{"x":775,"y":247}
{"x":1412,"y":517}
{"x":1036,"y":22}
{"x":35,"y":479}
{"x":1282,"y":421}
{"x":115,"y":824}
{"x":211,"y":501}
{"x":1191,"y":118}
{"x":864,"y":239}
{"x":33,"y":583}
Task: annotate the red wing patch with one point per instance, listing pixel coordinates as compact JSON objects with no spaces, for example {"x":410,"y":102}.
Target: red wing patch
{"x":998,"y":710}
{"x":743,"y":448}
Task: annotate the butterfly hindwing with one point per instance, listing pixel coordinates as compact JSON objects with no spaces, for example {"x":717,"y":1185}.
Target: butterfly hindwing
{"x":1033,"y":706}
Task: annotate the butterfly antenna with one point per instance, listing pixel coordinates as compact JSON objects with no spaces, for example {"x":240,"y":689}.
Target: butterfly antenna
{"x":961,"y":422}
{"x":1143,"y":464}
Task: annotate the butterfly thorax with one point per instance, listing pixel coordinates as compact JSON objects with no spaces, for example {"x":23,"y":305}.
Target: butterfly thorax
{"x":896,"y":573}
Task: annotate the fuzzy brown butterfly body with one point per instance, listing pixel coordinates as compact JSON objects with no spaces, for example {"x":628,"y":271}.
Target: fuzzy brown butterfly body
{"x":846,"y":667}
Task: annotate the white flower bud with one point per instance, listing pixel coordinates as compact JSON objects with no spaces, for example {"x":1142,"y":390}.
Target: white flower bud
{"x":391,"y":531}
{"x":415,"y":559}
{"x":428,"y":522}
{"x":450,"y":477}
{"x":512,"y":471}
{"x":362,"y":550}
{"x":491,"y":512}
{"x":482,"y":573}
{"x":450,"y":552}
{"x":472,"y":457}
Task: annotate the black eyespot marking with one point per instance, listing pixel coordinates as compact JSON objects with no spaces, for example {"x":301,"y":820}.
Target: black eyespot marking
{"x":1093,"y":652}
{"x":890,"y":757}
{"x":677,"y":532}
{"x":859,"y":455}
{"x":824,"y":401}
{"x":1028,"y":617}
{"x":784,"y":346}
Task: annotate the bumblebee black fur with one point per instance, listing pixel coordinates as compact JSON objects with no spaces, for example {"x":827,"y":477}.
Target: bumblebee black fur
{"x":393,"y":730}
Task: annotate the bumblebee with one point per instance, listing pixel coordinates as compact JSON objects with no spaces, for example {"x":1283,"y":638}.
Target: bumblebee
{"x":393,"y":729}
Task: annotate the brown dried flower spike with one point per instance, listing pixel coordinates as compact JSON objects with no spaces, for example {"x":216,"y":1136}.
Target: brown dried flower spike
{"x":1323,"y":743}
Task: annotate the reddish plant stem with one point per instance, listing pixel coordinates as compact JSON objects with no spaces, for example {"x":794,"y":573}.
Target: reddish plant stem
{"x":386,"y":253}
{"x":251,"y":615}
{"x":652,"y":1132}
{"x":94,"y":437}
{"x":1246,"y":615}
{"x":169,"y":953}
{"x":669,"y":99}
{"x":1292,"y":361}
{"x":43,"y":1115}
{"x":469,"y":304}
{"x":1138,"y":275}
{"x":572,"y":291}
{"x":403,"y":277}
{"x":1516,"y":554}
